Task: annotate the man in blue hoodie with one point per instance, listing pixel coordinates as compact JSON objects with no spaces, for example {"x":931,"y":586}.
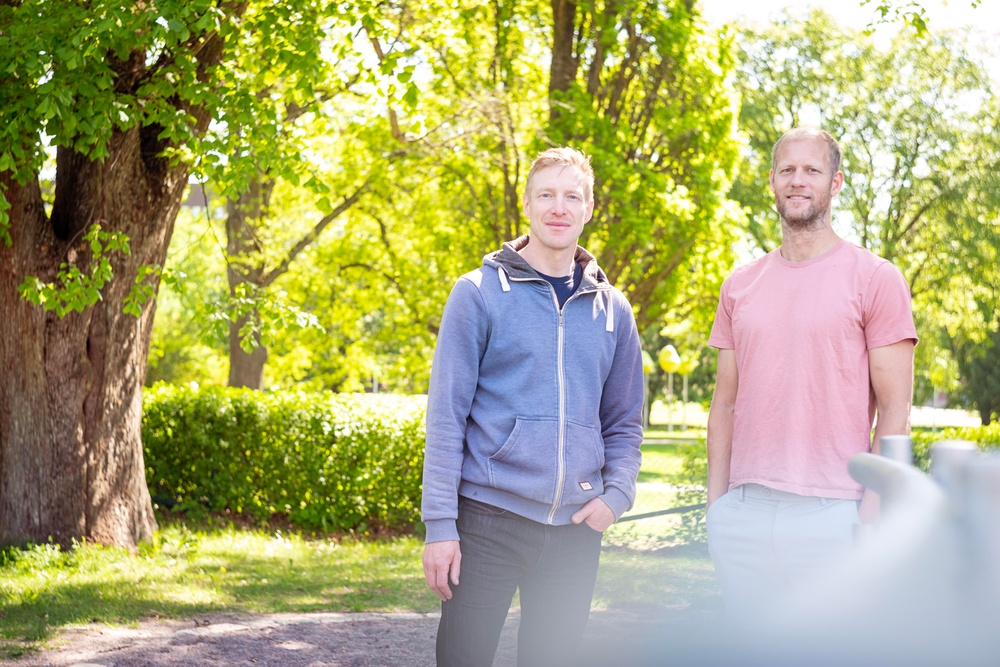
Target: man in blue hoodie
{"x":534,"y":423}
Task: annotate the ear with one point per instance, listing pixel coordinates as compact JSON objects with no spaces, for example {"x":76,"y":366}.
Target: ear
{"x":589,"y":213}
{"x":770,"y":180}
{"x":836,"y":183}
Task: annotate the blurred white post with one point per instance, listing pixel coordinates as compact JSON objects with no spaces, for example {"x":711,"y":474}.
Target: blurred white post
{"x":897,"y":447}
{"x":684,"y":404}
{"x":670,"y":402}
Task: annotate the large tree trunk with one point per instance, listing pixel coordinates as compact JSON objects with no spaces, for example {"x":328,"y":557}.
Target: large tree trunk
{"x":71,"y":458}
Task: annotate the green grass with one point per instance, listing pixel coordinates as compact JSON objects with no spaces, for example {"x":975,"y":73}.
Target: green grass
{"x":185,"y":572}
{"x":196,"y":567}
{"x":657,"y":580}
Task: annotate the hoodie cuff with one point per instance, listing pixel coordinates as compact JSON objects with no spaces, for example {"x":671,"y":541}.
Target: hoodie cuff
{"x":616,"y":500}
{"x":440,"y":530}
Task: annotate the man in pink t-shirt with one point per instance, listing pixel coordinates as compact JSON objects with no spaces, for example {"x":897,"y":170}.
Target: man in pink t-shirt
{"x":815,"y":339}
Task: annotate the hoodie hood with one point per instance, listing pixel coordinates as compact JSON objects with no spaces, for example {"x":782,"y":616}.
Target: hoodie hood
{"x":509,"y":262}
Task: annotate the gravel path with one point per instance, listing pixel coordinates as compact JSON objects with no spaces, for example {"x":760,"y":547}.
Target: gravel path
{"x":620,"y":638}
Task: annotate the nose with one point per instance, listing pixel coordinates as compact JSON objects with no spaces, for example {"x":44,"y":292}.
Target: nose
{"x":559,"y":204}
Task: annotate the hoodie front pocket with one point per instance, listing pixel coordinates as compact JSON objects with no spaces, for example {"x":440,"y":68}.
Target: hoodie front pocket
{"x":584,"y":461}
{"x":526,"y":464}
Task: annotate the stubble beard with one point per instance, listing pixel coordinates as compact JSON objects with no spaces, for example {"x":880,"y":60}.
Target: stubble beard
{"x":813,"y":218}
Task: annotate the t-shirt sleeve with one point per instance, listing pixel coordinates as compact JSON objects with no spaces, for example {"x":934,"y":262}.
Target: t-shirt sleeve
{"x":888,"y":317}
{"x":722,"y":329}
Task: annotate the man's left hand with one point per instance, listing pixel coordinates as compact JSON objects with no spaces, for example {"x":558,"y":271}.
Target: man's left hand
{"x":870,"y":509}
{"x":596,"y":513}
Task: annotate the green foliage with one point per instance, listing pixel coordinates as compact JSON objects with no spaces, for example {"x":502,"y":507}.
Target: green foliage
{"x":74,"y":288}
{"x":188,"y":344}
{"x":986,"y":437}
{"x":63,"y":61}
{"x":263,"y":313}
{"x":142,"y":290}
{"x":326,"y":462}
{"x":376,"y":282}
{"x":906,"y":11}
{"x":977,"y":354}
{"x":691,"y":491}
{"x":5,"y":238}
{"x":971,"y":326}
{"x":651,"y":101}
{"x":81,"y":76}
{"x":440,"y":175}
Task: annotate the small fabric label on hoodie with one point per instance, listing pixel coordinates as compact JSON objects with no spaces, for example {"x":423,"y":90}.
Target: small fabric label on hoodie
{"x":586,"y":486}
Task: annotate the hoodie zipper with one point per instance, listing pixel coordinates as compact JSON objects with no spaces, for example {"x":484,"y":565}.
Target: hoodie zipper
{"x":561,"y":381}
{"x":561,"y":377}
{"x":561,"y":451}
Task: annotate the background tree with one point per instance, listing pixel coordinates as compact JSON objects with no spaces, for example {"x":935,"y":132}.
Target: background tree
{"x":184,"y":346}
{"x":377,"y":279}
{"x":322,"y":106}
{"x":977,"y":353}
{"x":640,"y":86}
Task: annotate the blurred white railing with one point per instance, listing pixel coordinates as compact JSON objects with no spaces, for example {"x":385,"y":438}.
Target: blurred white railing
{"x":923,"y":585}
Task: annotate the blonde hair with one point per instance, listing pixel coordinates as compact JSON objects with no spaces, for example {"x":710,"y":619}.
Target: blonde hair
{"x":798,"y":133}
{"x":563,"y":157}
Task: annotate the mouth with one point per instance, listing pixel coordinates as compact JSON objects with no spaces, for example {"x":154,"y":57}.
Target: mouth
{"x":797,"y":199}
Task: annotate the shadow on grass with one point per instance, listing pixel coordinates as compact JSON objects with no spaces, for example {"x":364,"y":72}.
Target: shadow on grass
{"x":184,"y":573}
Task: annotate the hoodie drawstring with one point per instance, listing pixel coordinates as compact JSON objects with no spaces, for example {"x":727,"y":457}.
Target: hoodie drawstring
{"x":503,"y":279}
{"x":609,"y":325}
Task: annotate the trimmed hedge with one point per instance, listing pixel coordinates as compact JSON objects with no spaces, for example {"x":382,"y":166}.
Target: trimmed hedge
{"x":330,"y":462}
{"x":986,"y":437}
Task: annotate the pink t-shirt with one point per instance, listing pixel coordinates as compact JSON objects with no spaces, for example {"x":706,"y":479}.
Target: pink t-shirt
{"x":802,"y":331}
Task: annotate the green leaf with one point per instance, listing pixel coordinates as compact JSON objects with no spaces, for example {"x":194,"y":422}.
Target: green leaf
{"x":412,"y":95}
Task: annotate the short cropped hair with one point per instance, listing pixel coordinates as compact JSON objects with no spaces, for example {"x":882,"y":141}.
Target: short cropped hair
{"x":797,"y":133}
{"x":563,"y":157}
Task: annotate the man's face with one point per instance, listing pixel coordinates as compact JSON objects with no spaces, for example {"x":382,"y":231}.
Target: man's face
{"x":803,"y":184}
{"x":557,"y":206}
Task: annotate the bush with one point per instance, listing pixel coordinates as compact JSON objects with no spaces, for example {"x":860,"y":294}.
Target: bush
{"x":986,"y":437}
{"x":330,"y":462}
{"x":691,"y":490}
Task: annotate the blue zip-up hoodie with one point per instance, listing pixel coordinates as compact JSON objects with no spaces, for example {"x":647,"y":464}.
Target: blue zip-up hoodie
{"x":532,"y":408}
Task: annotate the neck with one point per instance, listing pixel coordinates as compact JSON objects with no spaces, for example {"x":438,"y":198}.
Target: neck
{"x":549,"y":262}
{"x":799,"y":245}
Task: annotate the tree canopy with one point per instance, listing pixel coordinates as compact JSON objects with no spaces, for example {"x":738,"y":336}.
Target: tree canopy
{"x":656,"y":114}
